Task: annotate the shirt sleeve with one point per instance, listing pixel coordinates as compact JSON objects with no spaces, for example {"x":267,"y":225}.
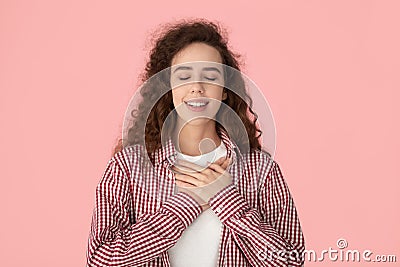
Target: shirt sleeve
{"x":115,"y":241}
{"x":270,"y":235}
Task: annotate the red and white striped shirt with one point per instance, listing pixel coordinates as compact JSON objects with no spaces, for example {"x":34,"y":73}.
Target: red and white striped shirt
{"x":137,"y":216}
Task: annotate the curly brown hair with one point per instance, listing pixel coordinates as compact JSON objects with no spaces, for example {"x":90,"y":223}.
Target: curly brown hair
{"x":150,"y":117}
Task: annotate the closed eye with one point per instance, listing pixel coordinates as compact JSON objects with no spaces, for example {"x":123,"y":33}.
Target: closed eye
{"x":210,"y":78}
{"x":184,"y":78}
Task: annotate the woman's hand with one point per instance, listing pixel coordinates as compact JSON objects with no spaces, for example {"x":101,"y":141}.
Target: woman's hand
{"x":202,"y":183}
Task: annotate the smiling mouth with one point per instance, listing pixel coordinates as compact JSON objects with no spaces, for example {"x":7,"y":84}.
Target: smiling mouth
{"x":196,"y":105}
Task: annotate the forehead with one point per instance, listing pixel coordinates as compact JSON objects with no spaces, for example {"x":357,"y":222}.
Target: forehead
{"x":197,"y":52}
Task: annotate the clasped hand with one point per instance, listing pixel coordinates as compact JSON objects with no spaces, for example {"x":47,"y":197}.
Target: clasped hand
{"x":202,"y":183}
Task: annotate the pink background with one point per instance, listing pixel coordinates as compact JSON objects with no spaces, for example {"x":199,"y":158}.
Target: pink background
{"x":329,"y":69}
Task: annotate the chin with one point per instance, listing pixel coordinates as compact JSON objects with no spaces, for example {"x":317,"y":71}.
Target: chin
{"x":199,"y":121}
{"x":195,"y":121}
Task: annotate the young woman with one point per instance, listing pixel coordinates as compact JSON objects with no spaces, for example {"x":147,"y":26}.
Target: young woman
{"x":188,"y":186}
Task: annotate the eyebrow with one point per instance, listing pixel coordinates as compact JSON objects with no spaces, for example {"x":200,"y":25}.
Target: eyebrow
{"x":212,"y":68}
{"x":190,"y":68}
{"x":182,"y":68}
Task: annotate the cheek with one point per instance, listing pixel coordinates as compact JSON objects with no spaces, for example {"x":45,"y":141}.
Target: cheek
{"x":216,"y":92}
{"x":177,"y":96}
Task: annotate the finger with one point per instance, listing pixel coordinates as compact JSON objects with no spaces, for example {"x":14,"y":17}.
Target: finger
{"x":179,"y":169}
{"x":189,"y":179}
{"x":226,"y":163}
{"x":183,"y":184}
{"x":220,"y":160}
{"x":197,"y":175}
{"x":190,"y":165}
{"x":216,"y":168}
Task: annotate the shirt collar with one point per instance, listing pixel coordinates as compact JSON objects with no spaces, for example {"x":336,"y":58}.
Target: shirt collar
{"x":167,"y":154}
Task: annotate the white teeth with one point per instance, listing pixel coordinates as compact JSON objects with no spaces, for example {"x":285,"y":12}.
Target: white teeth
{"x":196,"y":104}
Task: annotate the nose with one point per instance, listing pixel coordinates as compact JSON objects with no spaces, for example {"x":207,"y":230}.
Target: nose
{"x":197,"y":88}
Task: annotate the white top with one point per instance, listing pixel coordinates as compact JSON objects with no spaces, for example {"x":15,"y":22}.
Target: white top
{"x":198,"y":245}
{"x":211,"y":156}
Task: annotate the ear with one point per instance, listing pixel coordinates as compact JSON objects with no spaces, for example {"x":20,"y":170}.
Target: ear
{"x":224,"y":95}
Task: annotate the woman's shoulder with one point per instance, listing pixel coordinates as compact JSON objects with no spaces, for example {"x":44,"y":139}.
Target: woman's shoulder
{"x":259,"y":164}
{"x":259,"y":158}
{"x":135,"y":149}
{"x":129,"y":156}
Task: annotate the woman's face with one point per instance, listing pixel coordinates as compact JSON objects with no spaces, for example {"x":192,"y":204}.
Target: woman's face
{"x":197,"y":81}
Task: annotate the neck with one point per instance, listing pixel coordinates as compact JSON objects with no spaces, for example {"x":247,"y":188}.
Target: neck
{"x":195,"y":140}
